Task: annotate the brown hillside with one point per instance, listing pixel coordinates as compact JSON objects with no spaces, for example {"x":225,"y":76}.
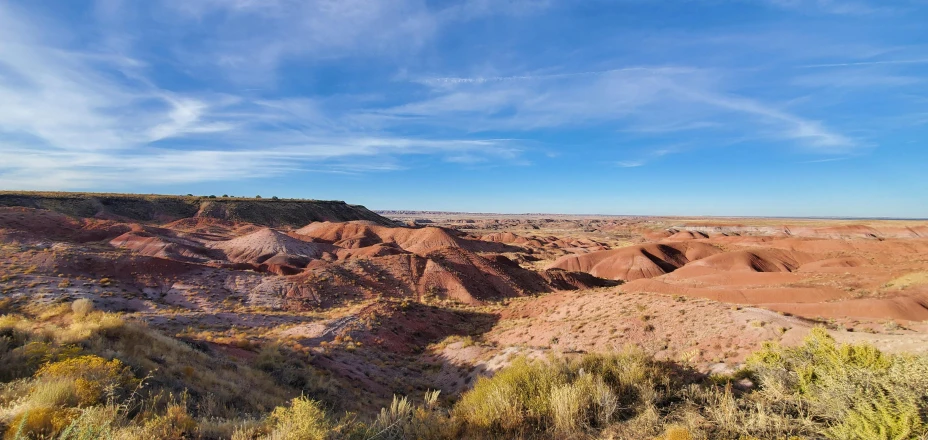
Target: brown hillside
{"x":634,"y":262}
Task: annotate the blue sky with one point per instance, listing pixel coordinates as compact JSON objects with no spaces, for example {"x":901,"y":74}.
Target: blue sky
{"x":696,"y":107}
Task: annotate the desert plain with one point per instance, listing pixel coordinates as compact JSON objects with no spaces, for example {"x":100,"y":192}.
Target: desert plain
{"x":353,"y":307}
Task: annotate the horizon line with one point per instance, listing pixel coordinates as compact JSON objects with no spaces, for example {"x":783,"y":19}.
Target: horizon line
{"x":786,"y":217}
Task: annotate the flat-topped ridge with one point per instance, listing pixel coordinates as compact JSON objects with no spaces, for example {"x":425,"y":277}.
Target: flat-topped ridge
{"x":144,"y":208}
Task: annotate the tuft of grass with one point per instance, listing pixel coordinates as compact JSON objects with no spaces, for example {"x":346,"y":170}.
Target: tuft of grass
{"x":82,"y":307}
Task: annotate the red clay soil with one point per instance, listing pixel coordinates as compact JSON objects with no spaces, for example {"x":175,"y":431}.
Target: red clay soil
{"x":738,"y":294}
{"x":635,"y":262}
{"x":352,"y":235}
{"x":812,"y":277}
{"x":162,"y":246}
{"x":686,"y":235}
{"x":911,"y":307}
{"x":843,"y":270}
{"x":451,"y":273}
{"x":267,"y":244}
{"x":859,"y":231}
{"x":852,"y":231}
{"x":761,"y":260}
{"x":409,"y":327}
{"x":699,"y":331}
{"x":37,"y":225}
{"x":551,"y":242}
{"x":321,"y":265}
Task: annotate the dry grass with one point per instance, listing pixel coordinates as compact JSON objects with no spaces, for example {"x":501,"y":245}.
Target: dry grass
{"x":908,"y":280}
{"x":76,"y":373}
{"x":56,"y":368}
{"x":304,"y":419}
{"x":82,"y":307}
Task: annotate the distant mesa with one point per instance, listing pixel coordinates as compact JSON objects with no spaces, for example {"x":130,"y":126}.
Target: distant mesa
{"x":164,"y":208}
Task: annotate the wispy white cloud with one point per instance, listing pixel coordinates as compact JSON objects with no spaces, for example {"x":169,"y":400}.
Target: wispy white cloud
{"x":551,"y":76}
{"x":257,"y":36}
{"x":185,"y":117}
{"x":639,"y":98}
{"x":23,"y":166}
{"x":97,"y":112}
{"x":74,"y":119}
{"x":471,"y":9}
{"x":841,"y":7}
{"x":253,"y":38}
{"x":865,"y":63}
{"x":659,"y":127}
{"x":830,"y":159}
{"x":812,"y":134}
{"x":856,"y":78}
{"x":649,"y":155}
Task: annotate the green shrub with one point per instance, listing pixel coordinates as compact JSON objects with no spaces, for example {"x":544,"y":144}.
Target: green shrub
{"x":881,"y":418}
{"x":39,"y":422}
{"x":516,"y":396}
{"x":90,"y":376}
{"x":560,"y":396}
{"x":856,"y":390}
{"x":304,"y":419}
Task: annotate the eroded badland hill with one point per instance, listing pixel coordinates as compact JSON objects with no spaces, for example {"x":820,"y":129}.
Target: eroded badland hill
{"x":235,"y":306}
